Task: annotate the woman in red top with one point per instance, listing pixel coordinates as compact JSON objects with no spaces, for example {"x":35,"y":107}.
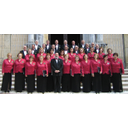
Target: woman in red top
{"x":42,"y":74}
{"x":62,"y":55}
{"x":30,"y":68}
{"x":50,"y":85}
{"x":28,"y":55}
{"x":101,"y":54}
{"x":81,"y":54}
{"x":7,"y":68}
{"x":117,"y":70}
{"x":71,"y":55}
{"x":86,"y":74}
{"x":52,"y":55}
{"x":106,"y":73}
{"x":110,"y":55}
{"x":18,"y":71}
{"x":66,"y":85}
{"x":91,"y":54}
{"x":41,"y":53}
{"x":96,"y":69}
{"x":75,"y":72}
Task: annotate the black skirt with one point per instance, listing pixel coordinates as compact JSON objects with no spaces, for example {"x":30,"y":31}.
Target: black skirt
{"x":75,"y":83}
{"x":106,"y":87}
{"x":6,"y":82}
{"x":97,"y":82}
{"x":66,"y":84}
{"x":50,"y":86}
{"x":19,"y":82}
{"x":30,"y":83}
{"x":86,"y":80}
{"x":117,"y":82}
{"x":41,"y":84}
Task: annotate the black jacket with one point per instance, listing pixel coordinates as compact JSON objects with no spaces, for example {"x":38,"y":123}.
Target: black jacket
{"x":48,"y":50}
{"x":56,"y":66}
{"x":37,"y":51}
{"x":86,"y":52}
{"x":59,"y":48}
{"x":23,"y":53}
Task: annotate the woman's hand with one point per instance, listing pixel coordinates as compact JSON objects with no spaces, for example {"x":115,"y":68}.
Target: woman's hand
{"x":92,"y":74}
{"x":100,"y":72}
{"x":82,"y":75}
{"x":25,"y":75}
{"x":72,"y":75}
{"x":3,"y":74}
{"x":46,"y":75}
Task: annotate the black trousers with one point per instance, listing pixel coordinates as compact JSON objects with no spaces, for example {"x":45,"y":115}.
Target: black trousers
{"x":19,"y":82}
{"x":41,"y":84}
{"x":75,"y":83}
{"x":117,"y":82}
{"x":106,"y":87}
{"x":97,"y":82}
{"x":6,"y":82}
{"x":66,"y":84}
{"x":86,"y":83}
{"x":30,"y":83}
{"x":57,"y":83}
{"x":50,"y":85}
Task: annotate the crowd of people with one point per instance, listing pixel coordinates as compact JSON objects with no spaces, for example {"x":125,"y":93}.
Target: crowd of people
{"x":63,"y":68}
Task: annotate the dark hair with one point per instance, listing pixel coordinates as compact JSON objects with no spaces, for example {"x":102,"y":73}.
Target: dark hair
{"x":101,"y":48}
{"x":31,"y":57}
{"x":109,"y":49}
{"x":115,"y":54}
{"x":84,"y":56}
{"x":105,"y":55}
{"x":19,"y":53}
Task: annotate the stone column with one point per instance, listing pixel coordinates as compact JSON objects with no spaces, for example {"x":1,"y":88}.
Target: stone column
{"x":30,"y":38}
{"x":91,"y":38}
{"x":99,"y":38}
{"x":86,"y":38}
{"x":40,"y":38}
{"x":36,"y":36}
{"x":126,"y":49}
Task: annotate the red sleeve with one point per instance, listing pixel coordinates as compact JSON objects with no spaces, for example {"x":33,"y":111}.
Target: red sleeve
{"x":100,"y":66}
{"x":14,"y":68}
{"x":122,"y":67}
{"x":110,"y":68}
{"x":72,"y":69}
{"x":26,"y":69}
{"x":92,"y":67}
{"x":82,"y":68}
{"x":46,"y":68}
{"x":3,"y":66}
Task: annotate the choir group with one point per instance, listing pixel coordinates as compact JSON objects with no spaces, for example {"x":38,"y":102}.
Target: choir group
{"x":63,"y":68}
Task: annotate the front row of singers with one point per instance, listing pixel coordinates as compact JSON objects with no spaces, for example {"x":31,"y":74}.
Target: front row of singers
{"x":55,"y":74}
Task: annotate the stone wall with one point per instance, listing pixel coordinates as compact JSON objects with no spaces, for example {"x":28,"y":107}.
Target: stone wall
{"x":126,"y":49}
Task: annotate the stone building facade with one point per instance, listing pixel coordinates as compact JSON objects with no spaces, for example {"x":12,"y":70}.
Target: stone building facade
{"x":14,"y":42}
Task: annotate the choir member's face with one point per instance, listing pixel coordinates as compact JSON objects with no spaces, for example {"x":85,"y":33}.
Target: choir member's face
{"x":25,"y":48}
{"x":109,"y":51}
{"x":73,"y":42}
{"x":29,"y":51}
{"x":41,"y":50}
{"x":66,"y":57}
{"x":85,"y":57}
{"x":56,"y":42}
{"x":9,"y":56}
{"x":56,"y":55}
{"x":71,"y":50}
{"x":48,"y":57}
{"x":106,"y":58}
{"x":101,"y":50}
{"x":62,"y":53}
{"x":43,"y":45}
{"x":36,"y":42}
{"x":76,"y":48}
{"x":41,"y":59}
{"x":31,"y":59}
{"x":53,"y":46}
{"x":82,"y":42}
{"x":96,"y":56}
{"x":92,"y":44}
{"x":81,"y":50}
{"x":77,"y":59}
{"x":19,"y":56}
{"x":87,"y":45}
{"x":48,"y":42}
{"x":65,"y":42}
{"x":115,"y":57}
{"x":33,"y":47}
{"x":51,"y":51}
{"x":97,"y":46}
{"x":92,"y":50}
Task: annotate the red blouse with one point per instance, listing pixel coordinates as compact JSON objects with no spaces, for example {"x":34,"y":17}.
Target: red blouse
{"x":39,"y":54}
{"x":81,"y":56}
{"x":7,"y":66}
{"x":76,"y":68}
{"x":72,"y":56}
{"x":66,"y":67}
{"x":101,"y":56}
{"x":106,"y":67}
{"x":52,"y":56}
{"x":19,"y":65}
{"x":86,"y":67}
{"x":61,"y":57}
{"x":110,"y":57}
{"x":49,"y":65}
{"x":91,"y":56}
{"x":27,"y":57}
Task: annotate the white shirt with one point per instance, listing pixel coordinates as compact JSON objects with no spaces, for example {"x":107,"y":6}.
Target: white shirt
{"x":87,"y":49}
{"x":57,"y":47}
{"x":82,"y":45}
{"x":97,"y":50}
{"x":73,"y":46}
{"x":36,"y":46}
{"x":65,"y":52}
{"x":25,"y":53}
{"x":44,"y":50}
{"x":32,"y":51}
{"x":47,"y":46}
{"x":56,"y":60}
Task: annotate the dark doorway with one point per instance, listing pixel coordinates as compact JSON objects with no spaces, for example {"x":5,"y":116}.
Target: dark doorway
{"x":75,"y":37}
{"x":53,"y":37}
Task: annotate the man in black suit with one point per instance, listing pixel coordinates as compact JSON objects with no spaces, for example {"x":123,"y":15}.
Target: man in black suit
{"x":66,"y":50}
{"x":87,"y":49}
{"x":65,"y":44}
{"x":57,"y":46}
{"x":37,"y":47}
{"x":73,"y":45}
{"x":33,"y":49}
{"x":53,"y":48}
{"x":44,"y":47}
{"x":24,"y":51}
{"x":76,"y":49}
{"x":57,"y":68}
{"x":97,"y":50}
{"x":48,"y":46}
{"x":82,"y":45}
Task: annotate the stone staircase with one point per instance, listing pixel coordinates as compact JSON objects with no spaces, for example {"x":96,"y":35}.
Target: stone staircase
{"x":124,"y":80}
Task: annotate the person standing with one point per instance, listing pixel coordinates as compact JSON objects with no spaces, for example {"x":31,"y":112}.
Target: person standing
{"x":37,"y":47}
{"x":117,"y":71}
{"x":65,"y":44}
{"x":52,"y":55}
{"x":30,"y":68}
{"x":18,"y":72}
{"x":75,"y":73}
{"x":86,"y":74}
{"x":66,"y":50}
{"x":97,"y":50}
{"x":96,"y":68}
{"x":48,"y":46}
{"x":101,"y":54}
{"x":106,"y":73}
{"x":41,"y":53}
{"x":7,"y":68}
{"x":57,"y":46}
{"x":81,"y":54}
{"x":28,"y":55}
{"x":57,"y":68}
{"x":42,"y":74}
{"x":66,"y":80}
{"x":82,"y":45}
{"x":72,"y":55}
{"x":50,"y":86}
{"x":110,"y":55}
{"x":24,"y":52}
{"x":62,"y":55}
{"x":76,"y":49}
{"x":87,"y":48}
{"x":91,"y":54}
{"x":33,"y":49}
{"x":44,"y":47}
{"x":73,"y":45}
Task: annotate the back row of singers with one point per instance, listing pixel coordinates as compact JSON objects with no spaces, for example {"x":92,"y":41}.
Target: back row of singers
{"x":95,"y":73}
{"x":57,"y":47}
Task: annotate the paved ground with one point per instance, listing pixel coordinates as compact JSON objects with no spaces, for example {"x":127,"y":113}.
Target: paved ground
{"x":25,"y":92}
